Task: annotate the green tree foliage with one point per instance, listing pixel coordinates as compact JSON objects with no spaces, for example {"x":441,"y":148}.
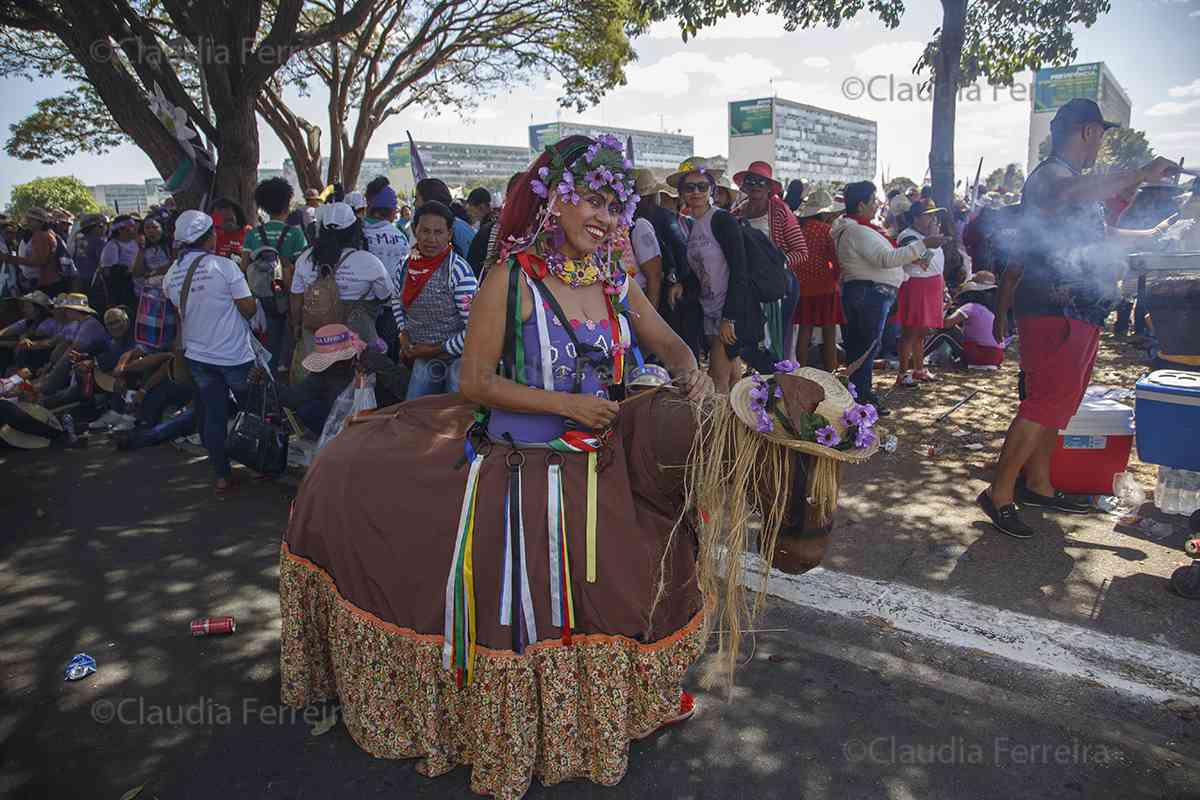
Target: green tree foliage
{"x":74,"y":122}
{"x":62,"y":192}
{"x":1123,"y":149}
{"x":902,"y":183}
{"x":994,"y":179}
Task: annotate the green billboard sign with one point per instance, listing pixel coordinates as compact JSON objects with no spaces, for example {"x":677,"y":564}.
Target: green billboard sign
{"x":542,"y":135}
{"x":399,"y":155}
{"x":752,"y":117}
{"x":1054,"y":86}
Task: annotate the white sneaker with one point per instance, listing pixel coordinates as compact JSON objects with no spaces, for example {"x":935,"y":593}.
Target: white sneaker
{"x":983,"y":367}
{"x":124,"y":422}
{"x":108,"y":418}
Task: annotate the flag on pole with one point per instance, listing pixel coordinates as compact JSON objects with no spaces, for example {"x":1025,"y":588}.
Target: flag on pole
{"x":418,"y":169}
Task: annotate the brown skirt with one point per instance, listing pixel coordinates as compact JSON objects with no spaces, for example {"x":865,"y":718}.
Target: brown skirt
{"x":363,"y":578}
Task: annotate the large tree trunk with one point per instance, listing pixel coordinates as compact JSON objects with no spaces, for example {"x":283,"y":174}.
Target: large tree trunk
{"x":237,"y":145}
{"x":947,"y":68}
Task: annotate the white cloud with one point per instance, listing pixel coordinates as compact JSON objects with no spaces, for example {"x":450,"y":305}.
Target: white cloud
{"x":760,"y":26}
{"x":895,"y":58}
{"x":671,"y":76}
{"x":817,"y":62}
{"x":1170,"y":109}
{"x":1189,"y":90}
{"x":1195,"y":13}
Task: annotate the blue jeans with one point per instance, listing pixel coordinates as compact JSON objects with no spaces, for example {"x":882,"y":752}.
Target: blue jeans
{"x":213,"y":385}
{"x":867,"y":305}
{"x":431,"y":376}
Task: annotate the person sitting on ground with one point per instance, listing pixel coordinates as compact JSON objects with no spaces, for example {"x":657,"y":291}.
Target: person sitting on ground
{"x":431,"y":303}
{"x":432,"y":189}
{"x":920,"y":306}
{"x":330,"y":368}
{"x":82,"y":338}
{"x":215,"y":306}
{"x":27,"y":342}
{"x":975,"y":344}
{"x":872,"y":271}
{"x":820,"y":303}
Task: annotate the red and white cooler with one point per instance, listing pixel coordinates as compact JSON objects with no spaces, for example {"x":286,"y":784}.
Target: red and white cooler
{"x":1095,"y":445}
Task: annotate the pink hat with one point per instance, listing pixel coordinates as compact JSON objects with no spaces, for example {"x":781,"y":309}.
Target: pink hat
{"x":333,"y":343}
{"x":763,"y":170}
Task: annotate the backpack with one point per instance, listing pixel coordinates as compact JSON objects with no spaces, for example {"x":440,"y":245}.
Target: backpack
{"x":323,"y":305}
{"x":997,"y":239}
{"x":66,"y":264}
{"x":265,"y":270}
{"x":766,"y":265}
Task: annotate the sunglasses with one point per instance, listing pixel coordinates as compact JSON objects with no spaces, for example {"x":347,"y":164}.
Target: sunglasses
{"x":694,"y":187}
{"x":752,"y":181}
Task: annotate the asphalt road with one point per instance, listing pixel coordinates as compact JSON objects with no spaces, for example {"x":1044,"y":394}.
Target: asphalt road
{"x":112,"y":554}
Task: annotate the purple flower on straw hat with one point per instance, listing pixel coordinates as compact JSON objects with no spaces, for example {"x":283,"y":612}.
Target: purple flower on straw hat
{"x":853,"y":390}
{"x":864,"y":438}
{"x":828,"y":436}
{"x":787,"y":366}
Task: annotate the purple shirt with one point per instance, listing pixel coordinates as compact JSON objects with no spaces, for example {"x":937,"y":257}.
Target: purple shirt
{"x":89,"y":337}
{"x":978,"y":327}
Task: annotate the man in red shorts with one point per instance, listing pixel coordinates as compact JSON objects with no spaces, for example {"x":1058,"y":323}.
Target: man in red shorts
{"x":1070,"y":264}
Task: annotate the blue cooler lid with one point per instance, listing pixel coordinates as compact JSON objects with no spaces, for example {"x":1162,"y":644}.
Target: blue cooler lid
{"x":1170,"y":385}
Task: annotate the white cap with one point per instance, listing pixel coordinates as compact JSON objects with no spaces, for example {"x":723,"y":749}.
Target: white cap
{"x":356,"y":200}
{"x":191,"y":225}
{"x":335,"y":215}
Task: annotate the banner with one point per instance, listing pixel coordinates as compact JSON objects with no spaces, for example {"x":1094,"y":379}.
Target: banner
{"x":1054,"y":86}
{"x":752,"y":117}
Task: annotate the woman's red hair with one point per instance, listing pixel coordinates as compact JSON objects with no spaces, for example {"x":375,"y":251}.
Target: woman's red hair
{"x":521,"y":205}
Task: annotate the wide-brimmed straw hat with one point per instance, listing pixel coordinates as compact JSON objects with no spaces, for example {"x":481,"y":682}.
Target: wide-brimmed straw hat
{"x":29,"y":441}
{"x":38,"y":214}
{"x":982,"y":281}
{"x":833,"y":405}
{"x":819,"y":201}
{"x":75,"y":301}
{"x":38,"y":298}
{"x":645,"y":184}
{"x":693,"y":164}
{"x":334,"y":343}
{"x":763,"y":170}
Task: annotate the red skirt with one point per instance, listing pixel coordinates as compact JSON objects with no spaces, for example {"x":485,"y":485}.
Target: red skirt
{"x":920,"y":303}
{"x":820,"y":309}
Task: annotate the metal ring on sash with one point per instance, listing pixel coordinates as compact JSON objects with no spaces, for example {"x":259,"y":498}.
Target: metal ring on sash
{"x":508,"y":459}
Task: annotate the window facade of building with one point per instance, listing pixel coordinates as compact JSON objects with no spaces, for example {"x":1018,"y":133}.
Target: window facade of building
{"x":650,"y":149}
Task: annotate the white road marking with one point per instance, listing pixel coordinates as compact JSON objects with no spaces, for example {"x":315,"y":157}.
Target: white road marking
{"x":1137,"y":668}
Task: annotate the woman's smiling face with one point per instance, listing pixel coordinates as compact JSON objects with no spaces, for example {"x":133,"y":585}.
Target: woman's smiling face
{"x":589,"y":222}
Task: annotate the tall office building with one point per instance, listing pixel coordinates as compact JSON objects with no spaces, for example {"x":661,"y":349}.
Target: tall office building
{"x":370,"y":168}
{"x":663,"y":151}
{"x":129,"y":198}
{"x":462,"y":167}
{"x":801,"y":141}
{"x":1054,"y":86}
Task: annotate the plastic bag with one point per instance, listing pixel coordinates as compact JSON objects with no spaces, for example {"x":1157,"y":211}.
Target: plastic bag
{"x":364,"y":393}
{"x":358,"y":396}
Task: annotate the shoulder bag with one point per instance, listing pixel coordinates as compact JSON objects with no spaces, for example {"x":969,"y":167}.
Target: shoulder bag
{"x":182,"y":373}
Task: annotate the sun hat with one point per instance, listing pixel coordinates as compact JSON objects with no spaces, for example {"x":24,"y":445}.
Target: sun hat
{"x":38,"y":298}
{"x":647,"y":376}
{"x":763,"y":170}
{"x":818,"y":201}
{"x":192,"y":225}
{"x":75,"y":301}
{"x":356,"y":200}
{"x":813,"y":403}
{"x":312,"y":194}
{"x":900,"y":204}
{"x":62,"y":215}
{"x":38,"y":214}
{"x":333,"y":343}
{"x":338,"y":216}
{"x":693,"y":164}
{"x":982,"y":281}
{"x":91,"y":221}
{"x":29,"y":441}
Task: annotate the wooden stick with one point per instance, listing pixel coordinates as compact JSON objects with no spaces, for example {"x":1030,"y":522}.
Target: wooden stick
{"x":957,"y":406}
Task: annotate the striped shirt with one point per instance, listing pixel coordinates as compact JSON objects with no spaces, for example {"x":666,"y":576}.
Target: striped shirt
{"x":463,"y":284}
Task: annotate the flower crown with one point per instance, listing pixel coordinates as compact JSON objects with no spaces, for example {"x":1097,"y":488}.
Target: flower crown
{"x":767,"y":404}
{"x":602,"y":166}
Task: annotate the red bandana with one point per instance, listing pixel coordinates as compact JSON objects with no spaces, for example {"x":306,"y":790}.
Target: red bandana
{"x":419,"y":271}
{"x":871,"y":224}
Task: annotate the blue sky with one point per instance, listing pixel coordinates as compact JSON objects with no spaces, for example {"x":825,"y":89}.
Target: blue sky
{"x":1149,"y":45}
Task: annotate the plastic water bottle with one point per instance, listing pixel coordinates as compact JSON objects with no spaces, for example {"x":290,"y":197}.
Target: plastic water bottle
{"x":1189,"y":495}
{"x":68,"y":423}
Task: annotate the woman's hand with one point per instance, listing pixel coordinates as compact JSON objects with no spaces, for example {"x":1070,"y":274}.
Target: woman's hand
{"x":694,"y":383}
{"x":728,"y":336}
{"x":674,"y":293}
{"x":589,"y":411}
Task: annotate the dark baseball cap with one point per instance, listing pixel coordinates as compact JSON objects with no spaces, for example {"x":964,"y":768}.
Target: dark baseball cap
{"x":1079,"y":112}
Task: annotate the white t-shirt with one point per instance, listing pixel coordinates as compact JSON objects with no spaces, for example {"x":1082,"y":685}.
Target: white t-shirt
{"x":118,"y":252}
{"x":645,"y":246}
{"x":360,"y":275}
{"x":931,"y":266}
{"x":387,"y":243}
{"x":214,"y":331}
{"x":762,"y":223}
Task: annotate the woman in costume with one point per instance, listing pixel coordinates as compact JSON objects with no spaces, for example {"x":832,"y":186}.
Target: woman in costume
{"x":546,"y":615}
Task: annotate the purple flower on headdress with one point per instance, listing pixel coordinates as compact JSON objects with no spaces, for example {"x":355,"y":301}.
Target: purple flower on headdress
{"x":539,"y":188}
{"x":860,"y":415}
{"x":787,"y":365}
{"x":853,"y":390}
{"x":544,"y":173}
{"x":828,"y":436}
{"x":864,"y":437}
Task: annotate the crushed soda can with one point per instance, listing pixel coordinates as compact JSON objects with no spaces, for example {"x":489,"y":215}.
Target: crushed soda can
{"x":211,"y":626}
{"x":80,"y":667}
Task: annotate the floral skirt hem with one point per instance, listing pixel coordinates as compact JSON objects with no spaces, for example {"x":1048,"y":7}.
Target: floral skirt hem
{"x":560,"y":712}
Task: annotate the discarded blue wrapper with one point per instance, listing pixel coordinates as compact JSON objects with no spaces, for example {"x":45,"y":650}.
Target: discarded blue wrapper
{"x":80,"y":666}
